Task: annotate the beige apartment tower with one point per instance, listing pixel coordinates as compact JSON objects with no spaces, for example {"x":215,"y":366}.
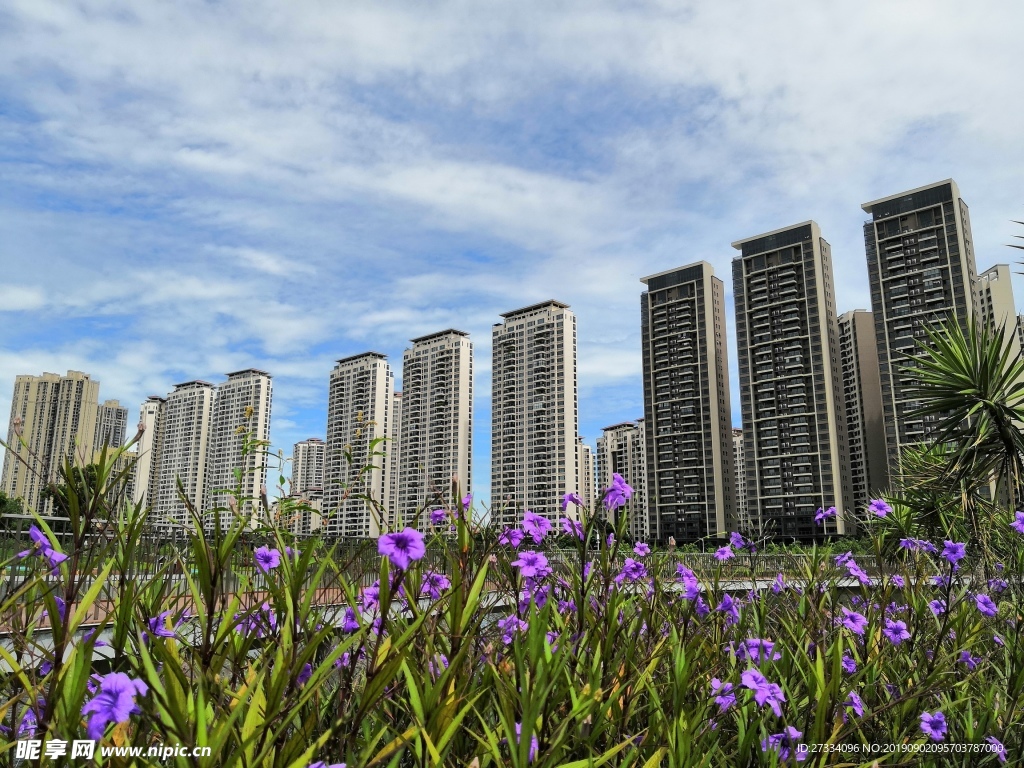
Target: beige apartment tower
{"x":534,"y":413}
{"x":585,"y":459}
{"x":436,"y":436}
{"x":687,"y":409}
{"x":739,"y":464}
{"x":862,"y":396}
{"x":622,"y":450}
{"x":240,"y":415}
{"x":307,"y":465}
{"x":993,"y":295}
{"x":394,"y":450}
{"x":111,"y":425}
{"x":358,"y":414}
{"x":147,"y":467}
{"x":183,"y":440}
{"x":58,"y":421}
{"x":921,"y":269}
{"x":794,"y":429}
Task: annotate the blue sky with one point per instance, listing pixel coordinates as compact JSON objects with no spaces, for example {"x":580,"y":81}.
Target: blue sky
{"x":192,"y":188}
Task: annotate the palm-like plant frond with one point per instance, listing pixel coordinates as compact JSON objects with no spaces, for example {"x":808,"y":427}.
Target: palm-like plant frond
{"x":973,"y":381}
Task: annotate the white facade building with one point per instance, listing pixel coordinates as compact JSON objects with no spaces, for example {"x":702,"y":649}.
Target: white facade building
{"x":437,"y":421}
{"x":534,"y":413}
{"x":111,"y":425}
{"x":181,"y":456}
{"x":622,"y":450}
{"x":358,"y":413}
{"x":147,"y":467}
{"x":241,"y":412}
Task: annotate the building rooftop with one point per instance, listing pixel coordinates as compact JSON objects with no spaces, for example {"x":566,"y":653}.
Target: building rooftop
{"x":868,"y":206}
{"x":439,"y":334}
{"x":375,"y":355}
{"x":248,"y":370}
{"x":702,"y":263}
{"x":738,"y":245}
{"x":198,"y":382}
{"x":532,"y":307}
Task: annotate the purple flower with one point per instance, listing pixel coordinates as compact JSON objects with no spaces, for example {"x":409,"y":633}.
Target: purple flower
{"x":969,"y":660}
{"x":434,"y":584}
{"x":855,"y":702}
{"x":43,"y":547}
{"x":954,"y":552}
{"x":632,"y":570}
{"x":1018,"y":523}
{"x":724,"y":553}
{"x":158,"y":625}
{"x":511,"y":537}
{"x":857,"y":572}
{"x":998,"y":640}
{"x":267,"y":559}
{"x":853,"y":621}
{"x":896,"y":631}
{"x":571,"y":498}
{"x":438,"y":516}
{"x":349,"y":623}
{"x":843,"y":559}
{"x":532,"y":565}
{"x":467,"y":501}
{"x":764,"y":691}
{"x":642,"y":549}
{"x":536,"y":526}
{"x":304,"y":674}
{"x":402,"y":547}
{"x":985,"y":605}
{"x":730,"y":608}
{"x":779,"y":584}
{"x":879,"y":508}
{"x":510,"y":626}
{"x":736,"y":540}
{"x":785,"y":744}
{"x":898,"y":581}
{"x":824,"y":514}
{"x":757,"y":650}
{"x":848,"y":664}
{"x":934,"y":726}
{"x":691,"y":586}
{"x":998,"y":585}
{"x":441,"y":665}
{"x":371,"y":597}
{"x":534,"y":744}
{"x":572,"y":528}
{"x":701,"y":607}
{"x":114,"y":703}
{"x":997,"y":745}
{"x":618,"y":492}
{"x":724,"y":697}
{"x":322,"y":764}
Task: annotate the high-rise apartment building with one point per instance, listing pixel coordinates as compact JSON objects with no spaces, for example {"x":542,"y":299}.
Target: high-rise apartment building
{"x":793,"y":425}
{"x":111,"y":425}
{"x":184,"y":436}
{"x":437,"y":421}
{"x":307,"y":465}
{"x":534,"y":412}
{"x":57,"y":418}
{"x":921,"y":269}
{"x":240,"y":415}
{"x":358,"y":413}
{"x":862,"y":396}
{"x":585,"y":459}
{"x":622,"y":450}
{"x":147,"y":467}
{"x":687,"y":406}
{"x":739,"y":466}
{"x":394,"y":449}
{"x":993,"y":294}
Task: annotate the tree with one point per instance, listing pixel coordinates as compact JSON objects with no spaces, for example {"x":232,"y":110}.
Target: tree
{"x":9,"y":506}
